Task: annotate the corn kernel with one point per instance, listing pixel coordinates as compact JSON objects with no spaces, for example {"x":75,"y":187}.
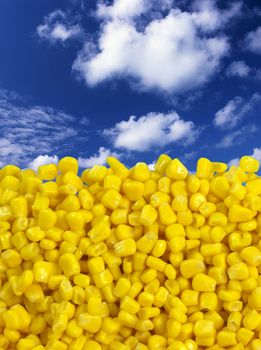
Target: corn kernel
{"x":176,"y":170}
{"x":124,"y":248}
{"x":203,"y":283}
{"x":204,"y":328}
{"x":69,"y":264}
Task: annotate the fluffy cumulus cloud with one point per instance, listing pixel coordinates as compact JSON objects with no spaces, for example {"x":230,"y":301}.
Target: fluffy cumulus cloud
{"x":252,"y":41}
{"x":42,"y":160}
{"x":97,"y":159}
{"x":235,"y":110}
{"x":152,"y":43}
{"x":238,"y":69}
{"x":29,"y":131}
{"x":256,"y":154}
{"x":58,"y":26}
{"x":151,"y":130}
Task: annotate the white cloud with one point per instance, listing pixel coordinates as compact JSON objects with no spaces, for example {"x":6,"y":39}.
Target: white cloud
{"x":235,"y":110}
{"x":156,"y":52}
{"x":236,"y":137}
{"x":234,"y":161}
{"x":238,"y":69}
{"x":57,"y":26}
{"x":97,"y":159}
{"x":151,"y":130}
{"x":42,"y":160}
{"x":123,"y":9}
{"x":151,"y":166}
{"x":256,"y":154}
{"x":29,"y":131}
{"x":252,"y":41}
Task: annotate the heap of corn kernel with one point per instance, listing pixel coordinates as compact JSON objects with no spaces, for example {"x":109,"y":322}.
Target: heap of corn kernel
{"x":124,"y":259}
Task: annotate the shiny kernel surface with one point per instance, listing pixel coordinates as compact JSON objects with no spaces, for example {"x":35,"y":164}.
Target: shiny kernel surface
{"x":131,"y":259}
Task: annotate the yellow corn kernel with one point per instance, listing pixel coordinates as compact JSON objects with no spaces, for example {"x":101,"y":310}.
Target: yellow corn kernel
{"x":193,"y":183}
{"x":204,"y":329}
{"x":12,"y":335}
{"x":75,"y":220}
{"x":164,"y":184}
{"x":90,"y":323}
{"x":204,"y":168}
{"x":127,"y":319}
{"x":148,"y":275}
{"x":217,"y":219}
{"x":255,"y":298}
{"x":119,"y":216}
{"x":42,"y":270}
{"x":238,"y":271}
{"x":251,"y":255}
{"x":111,"y":199}
{"x":148,"y":215}
{"x":69,"y":264}
{"x":133,"y":190}
{"x":47,"y":172}
{"x":255,"y":344}
{"x":244,"y":335}
{"x":185,"y":218}
{"x":226,"y":338}
{"x":68,"y":164}
{"x":122,"y":287}
{"x":203,"y":283}
{"x":11,"y":258}
{"x":190,"y":297}
{"x":71,"y":203}
{"x":237,"y":213}
{"x":130,"y":305}
{"x":118,"y":168}
{"x":103,"y":279}
{"x":219,"y":167}
{"x":166,"y":214}
{"x":162,"y":163}
{"x":50,"y":189}
{"x":251,"y":320}
{"x":174,"y":230}
{"x":140,"y":172}
{"x":101,"y":230}
{"x":155,"y":263}
{"x":177,"y":244}
{"x":124,"y":248}
{"x":46,"y":219}
{"x":96,"y":265}
{"x":208,"y":301}
{"x":249,"y":164}
{"x":34,"y":293}
{"x":19,"y":207}
{"x":192,"y":267}
{"x":180,"y":203}
{"x":176,"y":170}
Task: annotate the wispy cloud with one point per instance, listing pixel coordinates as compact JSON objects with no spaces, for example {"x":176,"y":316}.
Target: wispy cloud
{"x":235,"y":110}
{"x":252,"y":41}
{"x":129,"y":27}
{"x":238,"y":69}
{"x":29,"y":131}
{"x":152,"y":130}
{"x":98,"y":158}
{"x":58,"y":26}
{"x":237,"y":137}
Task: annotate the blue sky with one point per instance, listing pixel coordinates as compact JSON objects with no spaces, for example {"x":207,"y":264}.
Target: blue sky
{"x":132,"y":78}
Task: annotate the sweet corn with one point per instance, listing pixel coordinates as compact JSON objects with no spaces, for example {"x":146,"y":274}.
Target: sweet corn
{"x":130,"y":259}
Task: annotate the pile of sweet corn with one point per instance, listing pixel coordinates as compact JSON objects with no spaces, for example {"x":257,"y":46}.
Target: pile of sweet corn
{"x":124,"y":259}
